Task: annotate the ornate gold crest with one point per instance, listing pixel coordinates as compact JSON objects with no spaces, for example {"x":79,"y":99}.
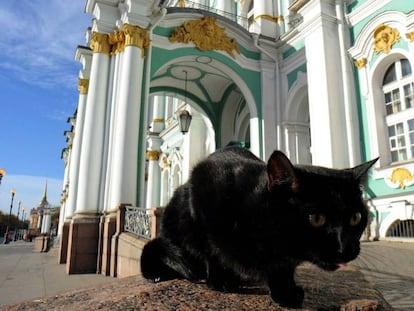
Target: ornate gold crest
{"x":206,"y":35}
{"x":384,"y":38}
{"x":400,"y":177}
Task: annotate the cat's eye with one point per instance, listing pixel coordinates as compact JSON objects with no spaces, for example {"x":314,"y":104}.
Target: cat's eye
{"x":317,"y":220}
{"x":355,"y":219}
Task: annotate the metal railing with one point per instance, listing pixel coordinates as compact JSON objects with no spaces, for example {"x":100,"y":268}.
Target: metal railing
{"x":239,"y":19}
{"x":138,"y":221}
{"x":401,"y":229}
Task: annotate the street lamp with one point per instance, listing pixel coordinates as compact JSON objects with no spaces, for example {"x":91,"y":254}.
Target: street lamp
{"x":2,"y":173}
{"x":17,"y":226}
{"x":6,"y":235}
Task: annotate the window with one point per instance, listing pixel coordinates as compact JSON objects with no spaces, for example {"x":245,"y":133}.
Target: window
{"x":398,"y":89}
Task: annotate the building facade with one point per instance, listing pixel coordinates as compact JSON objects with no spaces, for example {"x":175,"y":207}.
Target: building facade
{"x":329,"y":82}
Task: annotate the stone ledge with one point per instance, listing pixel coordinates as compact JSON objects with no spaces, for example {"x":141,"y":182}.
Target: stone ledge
{"x":344,"y":290}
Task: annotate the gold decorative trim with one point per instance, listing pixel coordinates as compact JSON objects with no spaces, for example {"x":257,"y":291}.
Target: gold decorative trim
{"x":158,"y":120}
{"x":83,"y":86}
{"x":181,"y":3}
{"x":410,"y":36}
{"x":361,"y":63}
{"x":136,"y":36}
{"x":206,"y":35}
{"x":153,"y":155}
{"x":275,"y":19}
{"x":100,"y":43}
{"x":384,"y":38}
{"x":117,"y":41}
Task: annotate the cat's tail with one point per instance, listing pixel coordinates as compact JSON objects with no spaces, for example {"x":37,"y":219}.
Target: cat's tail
{"x":162,"y":260}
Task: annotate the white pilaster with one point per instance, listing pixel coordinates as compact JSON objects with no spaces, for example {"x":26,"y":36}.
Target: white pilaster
{"x":326,"y":95}
{"x":154,"y":172}
{"x":264,"y":21}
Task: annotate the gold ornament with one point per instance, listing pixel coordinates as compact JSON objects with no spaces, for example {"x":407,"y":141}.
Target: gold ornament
{"x":361,"y":63}
{"x":206,"y":35}
{"x":384,"y":38}
{"x":410,"y":36}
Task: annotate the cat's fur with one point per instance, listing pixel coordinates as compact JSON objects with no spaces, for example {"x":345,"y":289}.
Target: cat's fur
{"x":238,"y":218}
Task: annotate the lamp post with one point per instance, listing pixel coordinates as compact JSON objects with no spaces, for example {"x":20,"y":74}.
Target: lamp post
{"x":17,"y":226}
{"x":6,"y":235}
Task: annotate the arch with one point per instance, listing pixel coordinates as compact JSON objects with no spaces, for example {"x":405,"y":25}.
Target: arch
{"x":296,"y":124}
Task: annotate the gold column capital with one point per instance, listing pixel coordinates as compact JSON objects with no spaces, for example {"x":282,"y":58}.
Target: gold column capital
{"x":153,"y":155}
{"x":100,"y":43}
{"x":83,"y":86}
{"x":136,"y":36}
{"x":117,"y":41}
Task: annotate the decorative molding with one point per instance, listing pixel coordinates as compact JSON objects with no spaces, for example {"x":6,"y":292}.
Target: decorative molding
{"x":83,"y":86}
{"x":206,"y":35}
{"x":136,"y":36}
{"x":384,"y":38}
{"x":100,"y":43}
{"x":181,"y":3}
{"x":400,"y":177}
{"x":153,"y":155}
{"x":410,"y":36}
{"x":275,"y":19}
{"x":360,"y":63}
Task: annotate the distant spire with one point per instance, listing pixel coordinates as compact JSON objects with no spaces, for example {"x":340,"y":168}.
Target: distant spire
{"x":44,"y":203}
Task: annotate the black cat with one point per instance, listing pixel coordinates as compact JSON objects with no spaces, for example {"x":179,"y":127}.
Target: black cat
{"x":238,"y":218}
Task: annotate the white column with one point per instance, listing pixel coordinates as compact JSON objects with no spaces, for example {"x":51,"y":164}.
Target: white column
{"x":126,"y":133}
{"x":84,"y":56}
{"x":64,"y":196}
{"x":90,"y":165}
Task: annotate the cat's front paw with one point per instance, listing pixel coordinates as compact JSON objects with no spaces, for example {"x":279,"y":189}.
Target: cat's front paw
{"x":224,"y":286}
{"x":288,"y":297}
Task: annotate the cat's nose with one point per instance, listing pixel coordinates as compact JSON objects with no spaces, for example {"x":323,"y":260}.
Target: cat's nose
{"x":338,"y":236}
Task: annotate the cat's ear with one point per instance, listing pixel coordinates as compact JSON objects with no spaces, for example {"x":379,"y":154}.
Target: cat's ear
{"x":360,"y":171}
{"x":280,"y":172}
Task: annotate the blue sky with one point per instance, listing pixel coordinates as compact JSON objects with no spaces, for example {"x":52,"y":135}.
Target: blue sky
{"x":38,"y":87}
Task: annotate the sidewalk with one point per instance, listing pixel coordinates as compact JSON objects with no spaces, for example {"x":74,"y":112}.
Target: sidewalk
{"x":25,"y":275}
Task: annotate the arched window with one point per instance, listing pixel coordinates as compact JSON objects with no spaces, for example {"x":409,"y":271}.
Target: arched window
{"x":398,"y":89}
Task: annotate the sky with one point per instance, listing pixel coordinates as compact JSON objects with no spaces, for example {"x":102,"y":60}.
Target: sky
{"x":38,"y":92}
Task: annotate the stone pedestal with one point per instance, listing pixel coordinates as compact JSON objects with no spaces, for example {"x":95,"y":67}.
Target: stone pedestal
{"x":41,"y":244}
{"x":63,"y":250}
{"x":83,"y":244}
{"x":108,"y":230}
